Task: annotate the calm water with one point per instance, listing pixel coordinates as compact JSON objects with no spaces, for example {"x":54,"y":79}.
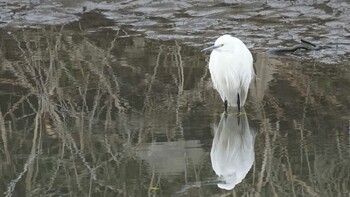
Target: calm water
{"x":91,"y":111}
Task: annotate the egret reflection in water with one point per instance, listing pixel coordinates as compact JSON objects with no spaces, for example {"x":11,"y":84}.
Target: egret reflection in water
{"x":232,"y":152}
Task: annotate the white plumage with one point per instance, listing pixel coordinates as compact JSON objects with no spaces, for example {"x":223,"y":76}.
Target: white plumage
{"x":232,"y":152}
{"x":231,"y":69}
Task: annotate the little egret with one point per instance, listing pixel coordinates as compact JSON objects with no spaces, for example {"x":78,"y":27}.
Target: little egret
{"x":231,"y":70}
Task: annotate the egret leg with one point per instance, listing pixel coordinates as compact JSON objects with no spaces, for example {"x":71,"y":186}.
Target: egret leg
{"x":225,"y":105}
{"x":239,"y":119}
{"x":238,"y":103}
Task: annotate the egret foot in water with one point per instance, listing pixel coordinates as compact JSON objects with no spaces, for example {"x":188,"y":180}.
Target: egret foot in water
{"x":241,"y":113}
{"x":238,"y":103}
{"x":225,"y":105}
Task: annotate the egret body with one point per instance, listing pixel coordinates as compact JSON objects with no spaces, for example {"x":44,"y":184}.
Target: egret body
{"x":231,"y":70}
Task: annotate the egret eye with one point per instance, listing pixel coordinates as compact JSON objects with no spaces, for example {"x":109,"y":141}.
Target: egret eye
{"x":221,"y":45}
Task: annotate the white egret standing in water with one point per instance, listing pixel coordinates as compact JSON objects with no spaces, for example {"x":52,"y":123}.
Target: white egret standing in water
{"x":231,"y":70}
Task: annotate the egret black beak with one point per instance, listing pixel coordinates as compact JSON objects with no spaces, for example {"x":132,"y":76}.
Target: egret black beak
{"x":210,"y":48}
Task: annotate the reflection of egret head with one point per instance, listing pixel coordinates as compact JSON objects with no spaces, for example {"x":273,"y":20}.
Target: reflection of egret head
{"x":232,"y":152}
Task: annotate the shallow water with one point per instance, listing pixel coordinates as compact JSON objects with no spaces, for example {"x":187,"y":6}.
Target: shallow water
{"x":91,"y":110}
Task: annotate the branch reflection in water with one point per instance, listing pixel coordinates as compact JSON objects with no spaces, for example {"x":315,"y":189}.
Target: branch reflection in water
{"x":232,"y":152}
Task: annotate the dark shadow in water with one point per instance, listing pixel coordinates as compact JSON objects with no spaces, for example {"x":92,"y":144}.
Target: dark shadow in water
{"x":232,"y":152}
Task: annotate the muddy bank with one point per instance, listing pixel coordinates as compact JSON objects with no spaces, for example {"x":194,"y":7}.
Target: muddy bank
{"x":261,"y":25}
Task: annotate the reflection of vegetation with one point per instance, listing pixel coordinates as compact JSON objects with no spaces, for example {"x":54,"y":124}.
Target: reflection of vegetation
{"x":298,"y":156}
{"x":54,"y":82}
{"x":78,"y":101}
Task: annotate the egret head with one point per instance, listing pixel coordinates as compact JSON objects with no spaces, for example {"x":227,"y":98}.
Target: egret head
{"x":224,"y":43}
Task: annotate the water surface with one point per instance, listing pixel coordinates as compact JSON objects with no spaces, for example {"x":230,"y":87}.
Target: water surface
{"x":89,"y":110}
